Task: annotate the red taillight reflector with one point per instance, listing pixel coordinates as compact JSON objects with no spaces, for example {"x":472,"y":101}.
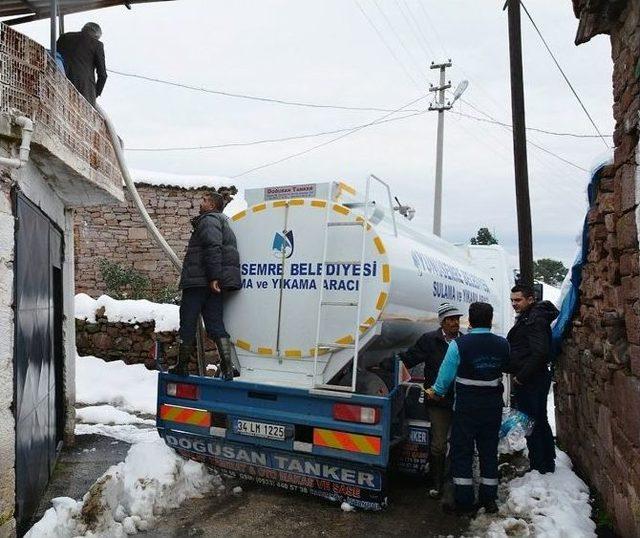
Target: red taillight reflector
{"x":356,"y":413}
{"x":182,"y":390}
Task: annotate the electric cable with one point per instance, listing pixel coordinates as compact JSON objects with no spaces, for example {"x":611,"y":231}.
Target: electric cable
{"x":529,"y":141}
{"x":416,"y":64}
{"x":273,"y":140}
{"x":566,"y":79}
{"x":326,"y":143}
{"x":413,"y":31}
{"x":245,"y":96}
{"x":388,"y":47}
{"x":535,"y":129}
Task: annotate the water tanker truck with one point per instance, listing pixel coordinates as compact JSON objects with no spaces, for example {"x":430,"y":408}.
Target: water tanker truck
{"x":334,"y":283}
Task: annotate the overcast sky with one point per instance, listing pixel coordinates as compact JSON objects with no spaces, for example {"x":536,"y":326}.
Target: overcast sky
{"x":326,"y":52}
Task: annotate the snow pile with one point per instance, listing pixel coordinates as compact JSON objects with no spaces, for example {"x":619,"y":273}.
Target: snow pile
{"x":126,"y":499}
{"x":107,"y":414}
{"x":182,"y":181}
{"x":165,"y":316}
{"x":129,"y":387}
{"x":550,"y":505}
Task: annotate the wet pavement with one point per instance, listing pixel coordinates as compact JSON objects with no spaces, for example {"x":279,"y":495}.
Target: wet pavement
{"x":262,"y":511}
{"x":79,"y":466}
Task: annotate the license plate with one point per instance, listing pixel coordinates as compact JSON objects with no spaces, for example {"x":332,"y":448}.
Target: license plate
{"x":259,"y":429}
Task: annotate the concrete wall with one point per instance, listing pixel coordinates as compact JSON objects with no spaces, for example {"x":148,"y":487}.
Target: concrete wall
{"x":117,"y":233}
{"x":598,"y":375}
{"x":37,"y":188}
{"x":7,"y":423}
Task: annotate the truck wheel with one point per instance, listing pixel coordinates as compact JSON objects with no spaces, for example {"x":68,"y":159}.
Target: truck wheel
{"x":371,"y":384}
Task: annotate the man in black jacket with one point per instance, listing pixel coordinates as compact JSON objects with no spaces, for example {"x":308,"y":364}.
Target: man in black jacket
{"x":83,"y":53}
{"x":530,"y":341}
{"x":430,"y":349}
{"x":211,"y":267}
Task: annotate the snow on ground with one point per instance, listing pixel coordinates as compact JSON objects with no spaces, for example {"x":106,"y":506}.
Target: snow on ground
{"x":109,"y":415}
{"x":129,"y":387}
{"x":151,"y":480}
{"x":553,"y":505}
{"x":165,"y":316}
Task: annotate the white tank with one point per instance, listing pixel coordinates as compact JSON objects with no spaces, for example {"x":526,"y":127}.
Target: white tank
{"x":405,"y":276}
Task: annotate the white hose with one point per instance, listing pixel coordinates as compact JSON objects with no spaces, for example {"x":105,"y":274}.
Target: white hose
{"x":134,"y":193}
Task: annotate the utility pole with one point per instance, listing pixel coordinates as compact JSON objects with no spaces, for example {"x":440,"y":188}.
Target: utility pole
{"x":523,"y":205}
{"x":440,"y":106}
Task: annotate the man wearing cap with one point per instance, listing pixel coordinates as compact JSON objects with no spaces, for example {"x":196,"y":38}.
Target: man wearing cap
{"x":430,"y":349}
{"x":474,"y":363}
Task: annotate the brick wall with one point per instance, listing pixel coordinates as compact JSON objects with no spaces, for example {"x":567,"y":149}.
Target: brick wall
{"x":118,"y":234}
{"x":598,"y":376}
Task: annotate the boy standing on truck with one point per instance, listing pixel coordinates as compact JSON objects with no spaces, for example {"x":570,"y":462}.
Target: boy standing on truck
{"x":211,"y":267}
{"x":476,"y":362}
{"x":430,"y":349}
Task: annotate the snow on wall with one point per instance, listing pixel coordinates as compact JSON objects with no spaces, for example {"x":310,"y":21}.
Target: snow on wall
{"x":165,"y":316}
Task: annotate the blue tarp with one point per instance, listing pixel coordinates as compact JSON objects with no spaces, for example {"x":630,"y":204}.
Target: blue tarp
{"x":572,"y":296}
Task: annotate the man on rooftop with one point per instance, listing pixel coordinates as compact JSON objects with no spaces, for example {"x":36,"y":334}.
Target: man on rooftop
{"x":83,"y":54}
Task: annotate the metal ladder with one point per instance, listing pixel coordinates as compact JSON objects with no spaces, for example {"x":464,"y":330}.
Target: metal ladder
{"x":363,"y":222}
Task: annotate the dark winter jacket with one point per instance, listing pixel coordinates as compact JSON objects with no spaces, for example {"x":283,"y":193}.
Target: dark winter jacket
{"x":212,"y":254}
{"x":430,"y":349}
{"x":530,"y":341}
{"x":82,"y":54}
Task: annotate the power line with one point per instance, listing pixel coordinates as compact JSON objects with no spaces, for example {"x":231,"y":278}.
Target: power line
{"x":535,"y":129}
{"x":413,"y":31}
{"x":384,"y":41}
{"x":312,"y":148}
{"x":420,"y":31}
{"x":397,"y":36}
{"x":245,"y":96}
{"x":283,"y":139}
{"x":433,"y":27}
{"x":506,"y":126}
{"x":563,"y":74}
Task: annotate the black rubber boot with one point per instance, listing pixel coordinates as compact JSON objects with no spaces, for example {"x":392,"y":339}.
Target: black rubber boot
{"x":229,"y":364}
{"x":437,"y":476}
{"x":184,"y":355}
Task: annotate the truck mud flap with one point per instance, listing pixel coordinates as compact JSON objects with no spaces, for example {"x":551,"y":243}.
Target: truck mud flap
{"x":338,"y":481}
{"x":412,"y":456}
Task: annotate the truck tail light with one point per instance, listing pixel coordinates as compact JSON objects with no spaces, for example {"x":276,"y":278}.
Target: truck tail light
{"x":182,"y":390}
{"x":356,"y":413}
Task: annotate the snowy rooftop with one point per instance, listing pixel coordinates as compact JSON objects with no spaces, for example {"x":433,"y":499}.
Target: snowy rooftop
{"x":183,"y":181}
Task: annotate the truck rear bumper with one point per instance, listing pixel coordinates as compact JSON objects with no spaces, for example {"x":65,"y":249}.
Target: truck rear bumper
{"x":362,"y":486}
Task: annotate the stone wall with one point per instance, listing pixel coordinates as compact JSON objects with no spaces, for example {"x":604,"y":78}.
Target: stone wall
{"x":598,"y":375}
{"x":118,"y":234}
{"x":131,"y":343}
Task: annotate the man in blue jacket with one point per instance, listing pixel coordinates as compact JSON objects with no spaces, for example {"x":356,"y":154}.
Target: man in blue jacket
{"x":211,"y":267}
{"x":475,"y":362}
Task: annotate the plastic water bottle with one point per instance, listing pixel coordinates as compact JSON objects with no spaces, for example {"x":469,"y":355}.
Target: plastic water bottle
{"x":515,"y":421}
{"x":515,"y":426}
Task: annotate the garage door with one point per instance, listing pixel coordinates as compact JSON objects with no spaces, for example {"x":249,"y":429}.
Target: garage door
{"x":38,"y":353}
